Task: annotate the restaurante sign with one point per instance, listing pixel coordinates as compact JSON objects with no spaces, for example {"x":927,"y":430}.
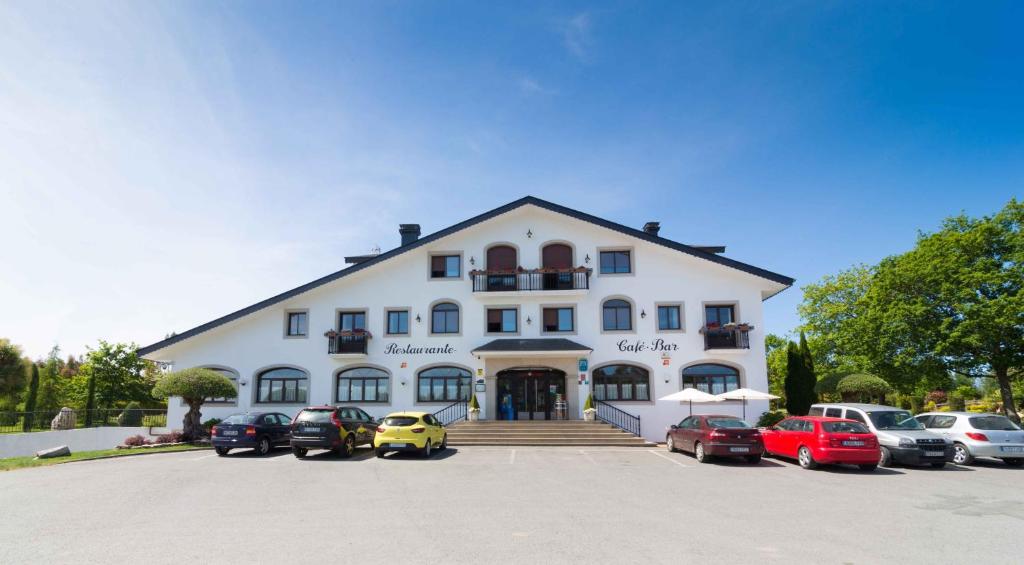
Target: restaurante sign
{"x":395,"y":349}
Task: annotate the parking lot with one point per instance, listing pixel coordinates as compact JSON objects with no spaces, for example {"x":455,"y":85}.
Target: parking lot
{"x":503,"y":505}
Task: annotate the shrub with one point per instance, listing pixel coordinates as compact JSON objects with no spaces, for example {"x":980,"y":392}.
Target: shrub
{"x":194,"y":385}
{"x":827,"y":384}
{"x":209,"y":424}
{"x":770,"y":418}
{"x":589,"y":404}
{"x":937,"y":397}
{"x":930,"y":406}
{"x":473,"y":404}
{"x":916,"y":405}
{"x":861,"y":385}
{"x":132,"y":415}
{"x":135,"y":441}
{"x":173,"y":437}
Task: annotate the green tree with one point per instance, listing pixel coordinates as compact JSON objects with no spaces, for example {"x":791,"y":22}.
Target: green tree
{"x":775,"y":351}
{"x":800,"y":379}
{"x":116,"y":376}
{"x":955,"y":303}
{"x":30,"y":399}
{"x":51,"y":382}
{"x":863,"y":387}
{"x":193,"y":386}
{"x":810,"y":377}
{"x":13,"y":375}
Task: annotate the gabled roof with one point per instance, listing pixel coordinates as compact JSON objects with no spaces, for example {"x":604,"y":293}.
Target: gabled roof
{"x":527,"y":200}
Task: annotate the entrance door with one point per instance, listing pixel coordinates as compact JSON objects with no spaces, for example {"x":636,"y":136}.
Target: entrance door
{"x":529,"y":394}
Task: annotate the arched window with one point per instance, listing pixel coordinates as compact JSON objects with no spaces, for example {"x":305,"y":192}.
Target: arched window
{"x":711,"y":378}
{"x":232,"y":376}
{"x":362,"y":384}
{"x":617,"y":315}
{"x":502,"y":258}
{"x":556,"y":256}
{"x":282,"y":385}
{"x":443,"y":384}
{"x":622,"y":382}
{"x":444,"y":318}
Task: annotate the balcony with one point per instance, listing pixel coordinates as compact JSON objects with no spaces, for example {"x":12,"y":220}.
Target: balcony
{"x":564,"y":281}
{"x":727,"y":337}
{"x":346,"y":344}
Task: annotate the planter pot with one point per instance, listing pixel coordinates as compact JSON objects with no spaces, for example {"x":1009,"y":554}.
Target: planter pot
{"x":474,"y":415}
{"x":589,"y":415}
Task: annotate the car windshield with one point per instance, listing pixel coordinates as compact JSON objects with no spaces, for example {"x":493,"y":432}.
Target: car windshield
{"x":239,"y":419}
{"x":315,"y":416}
{"x":844,"y":428}
{"x":401,"y":420}
{"x":727,"y":423}
{"x":993,"y":423}
{"x":894,"y":420}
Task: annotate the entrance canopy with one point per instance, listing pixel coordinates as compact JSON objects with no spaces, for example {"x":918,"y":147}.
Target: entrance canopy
{"x":550,"y":347}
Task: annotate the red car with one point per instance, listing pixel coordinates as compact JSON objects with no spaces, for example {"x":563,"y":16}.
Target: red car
{"x":709,"y":436}
{"x":814,"y":440}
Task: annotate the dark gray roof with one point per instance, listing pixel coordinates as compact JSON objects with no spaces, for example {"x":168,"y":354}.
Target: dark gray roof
{"x":538,"y":344}
{"x":527,"y":200}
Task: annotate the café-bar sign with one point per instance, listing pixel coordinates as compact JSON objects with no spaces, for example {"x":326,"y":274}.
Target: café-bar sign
{"x":639,"y":345}
{"x":395,"y":349}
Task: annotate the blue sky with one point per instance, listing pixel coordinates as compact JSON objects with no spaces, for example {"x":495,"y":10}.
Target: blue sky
{"x":164,"y":163}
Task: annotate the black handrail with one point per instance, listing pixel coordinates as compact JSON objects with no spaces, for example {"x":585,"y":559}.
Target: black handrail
{"x":564,"y":279}
{"x":618,"y":418}
{"x":453,"y":412}
{"x":723,"y":338}
{"x":346,"y":344}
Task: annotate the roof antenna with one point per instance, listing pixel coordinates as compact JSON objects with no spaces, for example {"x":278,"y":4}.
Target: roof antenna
{"x":375,"y":250}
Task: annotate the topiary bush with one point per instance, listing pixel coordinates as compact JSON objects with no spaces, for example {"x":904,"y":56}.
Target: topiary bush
{"x":827,"y":384}
{"x":770,"y":418}
{"x":173,"y":437}
{"x":131,"y":416}
{"x":135,"y":441}
{"x":194,"y":386}
{"x":861,"y":386}
{"x":473,"y":404}
{"x":589,"y":404}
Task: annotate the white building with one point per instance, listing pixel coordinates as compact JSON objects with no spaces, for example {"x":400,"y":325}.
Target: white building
{"x":519,"y":305}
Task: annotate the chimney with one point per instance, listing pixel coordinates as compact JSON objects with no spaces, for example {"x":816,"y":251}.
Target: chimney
{"x":409,"y":233}
{"x":651,"y":228}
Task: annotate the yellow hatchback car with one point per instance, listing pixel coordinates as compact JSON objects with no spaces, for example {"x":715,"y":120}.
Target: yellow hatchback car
{"x":410,"y":431}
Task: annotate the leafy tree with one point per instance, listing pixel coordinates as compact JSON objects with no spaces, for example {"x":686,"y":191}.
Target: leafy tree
{"x":800,"y":379}
{"x":12,"y":373}
{"x":51,"y":382}
{"x":809,"y":377}
{"x":116,"y":376}
{"x":955,"y":302}
{"x":775,"y":350}
{"x":30,"y":399}
{"x":863,"y":387}
{"x":193,"y":386}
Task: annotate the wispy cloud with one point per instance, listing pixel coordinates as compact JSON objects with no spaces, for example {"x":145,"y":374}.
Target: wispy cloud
{"x":530,"y":87}
{"x":576,"y":35}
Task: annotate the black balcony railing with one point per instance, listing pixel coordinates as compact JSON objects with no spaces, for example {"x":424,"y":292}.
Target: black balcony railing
{"x":618,"y":418}
{"x":537,"y":279}
{"x":727,"y":338}
{"x":342,"y":344}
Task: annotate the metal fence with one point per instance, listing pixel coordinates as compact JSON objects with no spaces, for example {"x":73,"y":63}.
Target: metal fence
{"x":42,"y":420}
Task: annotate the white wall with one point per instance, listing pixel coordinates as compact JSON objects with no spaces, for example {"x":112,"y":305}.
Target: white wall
{"x":256,"y":342}
{"x":84,"y":439}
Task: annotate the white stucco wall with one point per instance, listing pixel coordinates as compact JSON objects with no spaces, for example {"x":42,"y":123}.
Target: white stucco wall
{"x":255,"y":342}
{"x":85,"y":439}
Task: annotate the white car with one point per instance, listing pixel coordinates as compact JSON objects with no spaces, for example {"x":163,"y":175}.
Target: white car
{"x":978,"y":435}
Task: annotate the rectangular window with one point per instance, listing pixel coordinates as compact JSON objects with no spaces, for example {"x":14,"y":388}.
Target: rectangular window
{"x":558,"y":320}
{"x":615,"y":262}
{"x":502,"y":320}
{"x":444,"y":389}
{"x":351,"y":321}
{"x":445,"y":266}
{"x":398,"y":322}
{"x":669,"y":318}
{"x":718,"y":316}
{"x":298,"y":324}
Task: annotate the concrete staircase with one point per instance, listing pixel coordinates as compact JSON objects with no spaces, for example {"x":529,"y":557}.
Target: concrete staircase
{"x":541,"y":432}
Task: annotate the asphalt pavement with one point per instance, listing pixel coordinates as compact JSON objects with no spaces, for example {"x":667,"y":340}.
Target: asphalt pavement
{"x":504,"y":505}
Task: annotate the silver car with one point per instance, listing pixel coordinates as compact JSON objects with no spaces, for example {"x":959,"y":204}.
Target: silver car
{"x":978,"y":435}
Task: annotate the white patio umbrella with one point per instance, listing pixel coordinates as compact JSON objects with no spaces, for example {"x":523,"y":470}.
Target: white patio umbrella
{"x":745,"y":394}
{"x":691,"y":395}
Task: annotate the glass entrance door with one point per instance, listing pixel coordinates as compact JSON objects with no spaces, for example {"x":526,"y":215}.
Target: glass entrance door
{"x":529,"y":394}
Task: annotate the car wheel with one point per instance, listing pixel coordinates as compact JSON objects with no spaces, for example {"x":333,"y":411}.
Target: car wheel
{"x":885,"y":459}
{"x":426,"y":449}
{"x":698,"y":453}
{"x":222,"y":451}
{"x":868,"y":467}
{"x":961,"y":455}
{"x":263,"y":447}
{"x":805,"y":458}
{"x":670,"y":444}
{"x":444,"y":443}
{"x":349,"y":447}
{"x":1014,"y":461}
{"x":381,"y":452}
{"x":753,"y":459}
{"x":299,"y":452}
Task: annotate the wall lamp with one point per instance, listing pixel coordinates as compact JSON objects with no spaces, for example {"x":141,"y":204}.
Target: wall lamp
{"x":643,"y":313}
{"x":529,"y":233}
{"x":417,"y":318}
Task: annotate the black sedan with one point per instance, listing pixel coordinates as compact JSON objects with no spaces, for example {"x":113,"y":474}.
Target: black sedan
{"x":261,"y":431}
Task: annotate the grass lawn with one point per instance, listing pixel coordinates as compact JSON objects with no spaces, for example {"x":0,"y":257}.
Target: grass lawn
{"x":30,"y":461}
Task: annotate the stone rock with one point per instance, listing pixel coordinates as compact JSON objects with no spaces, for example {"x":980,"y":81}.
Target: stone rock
{"x":65,"y":420}
{"x":54,"y":452}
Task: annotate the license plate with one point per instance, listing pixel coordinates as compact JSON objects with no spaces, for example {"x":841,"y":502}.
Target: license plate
{"x":1011,"y":449}
{"x":934,"y":453}
{"x":311,"y":430}
{"x":231,"y":432}
{"x":739,"y":449}
{"x":397,"y":445}
{"x":853,"y":443}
